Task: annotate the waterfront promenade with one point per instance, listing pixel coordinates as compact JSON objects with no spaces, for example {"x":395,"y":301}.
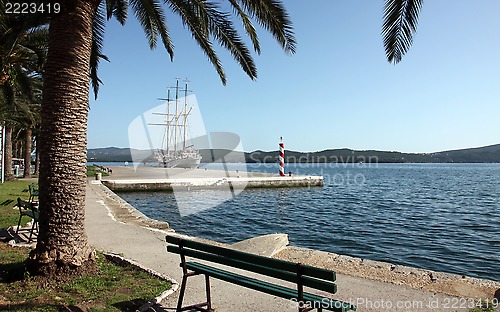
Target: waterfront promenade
{"x":111,"y":231}
{"x":143,"y":178}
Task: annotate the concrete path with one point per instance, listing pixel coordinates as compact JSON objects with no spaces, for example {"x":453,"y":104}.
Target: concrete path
{"x":148,"y":247}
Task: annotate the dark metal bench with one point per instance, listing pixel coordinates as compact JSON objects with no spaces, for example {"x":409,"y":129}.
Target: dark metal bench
{"x":296,"y":273}
{"x":27,"y":209}
{"x":33,"y":192}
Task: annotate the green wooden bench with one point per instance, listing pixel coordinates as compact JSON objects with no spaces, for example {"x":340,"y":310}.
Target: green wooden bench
{"x":33,"y":192}
{"x":27,"y":209}
{"x":298,"y":274}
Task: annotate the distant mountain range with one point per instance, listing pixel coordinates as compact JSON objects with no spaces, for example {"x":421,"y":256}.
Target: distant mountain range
{"x":486,"y":154}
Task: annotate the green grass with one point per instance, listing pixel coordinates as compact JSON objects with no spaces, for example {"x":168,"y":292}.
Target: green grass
{"x":92,"y":170}
{"x":113,"y":288}
{"x":9,"y":192}
{"x":487,"y":306}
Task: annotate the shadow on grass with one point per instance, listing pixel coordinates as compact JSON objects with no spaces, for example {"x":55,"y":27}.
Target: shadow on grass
{"x":39,"y":307}
{"x":7,"y":202}
{"x":12,"y":272}
{"x":130,"y":305}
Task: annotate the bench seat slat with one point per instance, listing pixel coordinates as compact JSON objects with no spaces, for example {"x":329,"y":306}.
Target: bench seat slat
{"x":243,"y":256}
{"x":269,"y":288}
{"x":284,"y":275}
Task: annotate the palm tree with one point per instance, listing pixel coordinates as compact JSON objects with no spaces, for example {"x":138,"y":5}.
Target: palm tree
{"x":19,"y":106}
{"x":23,"y":49}
{"x":19,"y":111}
{"x":75,"y":39}
{"x":30,"y":120}
{"x":7,"y":159}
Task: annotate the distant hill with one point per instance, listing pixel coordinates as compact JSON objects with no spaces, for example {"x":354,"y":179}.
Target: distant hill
{"x":487,"y":154}
{"x":109,"y":154}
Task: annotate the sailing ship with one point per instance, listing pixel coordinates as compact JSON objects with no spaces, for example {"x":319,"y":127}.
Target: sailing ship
{"x":175,"y":151}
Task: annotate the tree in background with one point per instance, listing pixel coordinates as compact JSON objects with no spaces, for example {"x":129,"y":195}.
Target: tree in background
{"x":23,"y":50}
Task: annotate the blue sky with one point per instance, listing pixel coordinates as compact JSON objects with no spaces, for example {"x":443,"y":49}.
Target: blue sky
{"x":337,"y":91}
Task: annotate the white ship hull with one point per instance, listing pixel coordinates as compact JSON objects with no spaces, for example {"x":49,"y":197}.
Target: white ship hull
{"x":187,"y":163}
{"x":189,"y":160}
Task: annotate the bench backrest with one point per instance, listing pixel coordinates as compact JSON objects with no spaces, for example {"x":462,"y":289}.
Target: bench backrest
{"x":33,"y":191}
{"x":26,"y":205}
{"x":309,"y":276}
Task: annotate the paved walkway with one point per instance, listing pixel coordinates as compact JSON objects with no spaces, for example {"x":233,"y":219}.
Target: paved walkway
{"x":148,"y":247}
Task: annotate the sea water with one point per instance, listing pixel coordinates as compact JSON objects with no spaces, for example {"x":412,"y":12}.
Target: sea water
{"x":442,"y":217}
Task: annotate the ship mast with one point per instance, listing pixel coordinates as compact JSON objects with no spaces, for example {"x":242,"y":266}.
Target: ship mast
{"x":173,"y":122}
{"x":176,"y":115}
{"x":168,"y":122}
{"x":185,"y":114}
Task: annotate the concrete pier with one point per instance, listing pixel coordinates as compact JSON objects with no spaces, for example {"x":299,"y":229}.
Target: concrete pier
{"x":162,"y":179}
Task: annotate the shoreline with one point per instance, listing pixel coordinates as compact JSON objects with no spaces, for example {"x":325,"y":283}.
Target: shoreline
{"x":439,"y":282}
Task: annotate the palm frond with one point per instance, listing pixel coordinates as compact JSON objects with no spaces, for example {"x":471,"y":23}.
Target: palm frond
{"x":247,"y":24}
{"x":13,"y":25}
{"x":221,"y":27}
{"x":199,"y":32}
{"x":118,"y":9}
{"x":37,"y":41}
{"x":22,"y":30}
{"x":37,"y":36}
{"x":27,"y":97}
{"x":21,"y":54}
{"x":19,"y":99}
{"x":400,"y":23}
{"x":96,"y":55}
{"x":22,"y":83}
{"x":152,"y":19}
{"x":273,"y":17}
{"x":7,"y":100}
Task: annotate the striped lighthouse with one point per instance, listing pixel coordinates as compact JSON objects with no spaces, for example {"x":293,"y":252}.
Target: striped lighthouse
{"x":282,"y":157}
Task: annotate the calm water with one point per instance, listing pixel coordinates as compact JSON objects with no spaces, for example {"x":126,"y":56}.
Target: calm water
{"x":434,"y":216}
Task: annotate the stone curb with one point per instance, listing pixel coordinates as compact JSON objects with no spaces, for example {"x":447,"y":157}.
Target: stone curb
{"x":129,"y":210}
{"x":393,"y":273}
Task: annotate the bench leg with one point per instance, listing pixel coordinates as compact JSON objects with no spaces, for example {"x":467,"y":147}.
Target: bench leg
{"x":32,"y":229}
{"x":207,"y":286}
{"x":19,"y":223}
{"x":198,"y":307}
{"x":181,"y":293}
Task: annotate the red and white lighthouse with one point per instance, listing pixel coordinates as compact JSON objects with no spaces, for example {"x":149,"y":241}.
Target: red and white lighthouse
{"x":282,"y":157}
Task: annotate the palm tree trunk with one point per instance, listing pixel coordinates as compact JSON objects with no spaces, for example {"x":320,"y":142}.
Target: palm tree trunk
{"x":27,"y":152}
{"x":15,"y":146}
{"x":37,"y":154}
{"x":9,"y":174}
{"x":62,"y":241}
